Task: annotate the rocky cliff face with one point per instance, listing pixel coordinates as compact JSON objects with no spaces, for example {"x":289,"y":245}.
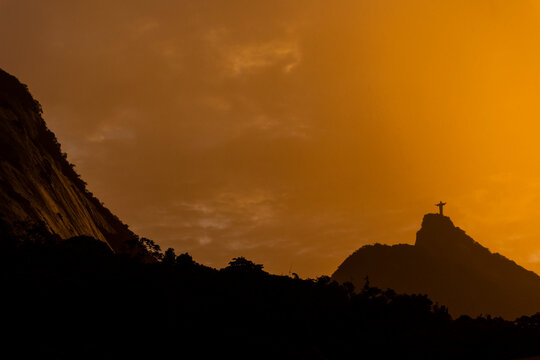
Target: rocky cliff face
{"x":449,"y":266}
{"x":38,"y":186}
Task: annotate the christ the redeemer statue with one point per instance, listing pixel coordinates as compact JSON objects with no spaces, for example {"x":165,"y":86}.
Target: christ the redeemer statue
{"x":440,"y":205}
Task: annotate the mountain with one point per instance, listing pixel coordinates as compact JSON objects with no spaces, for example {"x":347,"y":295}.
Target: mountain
{"x":39,"y":188}
{"x":451,"y":268}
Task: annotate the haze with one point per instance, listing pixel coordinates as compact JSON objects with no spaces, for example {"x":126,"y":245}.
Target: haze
{"x":293,"y":132}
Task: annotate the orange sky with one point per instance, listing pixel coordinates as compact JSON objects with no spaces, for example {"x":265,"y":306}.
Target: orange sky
{"x":293,"y":132}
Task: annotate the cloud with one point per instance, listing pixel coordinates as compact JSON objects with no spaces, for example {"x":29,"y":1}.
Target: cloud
{"x":291,"y":130}
{"x":205,"y":240}
{"x":111,"y":133}
{"x":248,"y":58}
{"x":535,"y":257}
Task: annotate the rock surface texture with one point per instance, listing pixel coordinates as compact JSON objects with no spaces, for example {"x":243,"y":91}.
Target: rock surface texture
{"x":38,"y":186}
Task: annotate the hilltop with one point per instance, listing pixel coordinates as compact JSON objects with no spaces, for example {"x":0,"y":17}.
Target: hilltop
{"x":451,"y":268}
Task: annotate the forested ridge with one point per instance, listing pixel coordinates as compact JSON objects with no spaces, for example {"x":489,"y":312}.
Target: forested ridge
{"x":76,"y":299}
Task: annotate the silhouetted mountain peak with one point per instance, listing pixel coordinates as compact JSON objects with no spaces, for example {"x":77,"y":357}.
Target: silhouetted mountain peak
{"x":437,"y":222}
{"x":449,"y":266}
{"x":439,"y":234}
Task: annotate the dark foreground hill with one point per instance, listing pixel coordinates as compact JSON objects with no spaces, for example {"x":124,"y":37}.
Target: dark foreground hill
{"x":75,"y":299}
{"x":38,"y":185}
{"x":451,"y":268}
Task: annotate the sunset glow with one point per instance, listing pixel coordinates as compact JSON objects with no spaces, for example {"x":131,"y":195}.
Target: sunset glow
{"x":293,"y":132}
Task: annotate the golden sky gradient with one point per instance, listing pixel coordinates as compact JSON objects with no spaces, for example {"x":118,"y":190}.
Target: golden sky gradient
{"x":293,"y":132}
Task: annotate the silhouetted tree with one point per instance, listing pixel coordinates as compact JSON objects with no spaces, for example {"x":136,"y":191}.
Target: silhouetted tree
{"x":184,"y":260}
{"x":169,"y":257}
{"x":153,"y":248}
{"x":529,"y":322}
{"x":243,"y":264}
{"x":324,"y":280}
{"x":349,"y":287}
{"x":33,"y":232}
